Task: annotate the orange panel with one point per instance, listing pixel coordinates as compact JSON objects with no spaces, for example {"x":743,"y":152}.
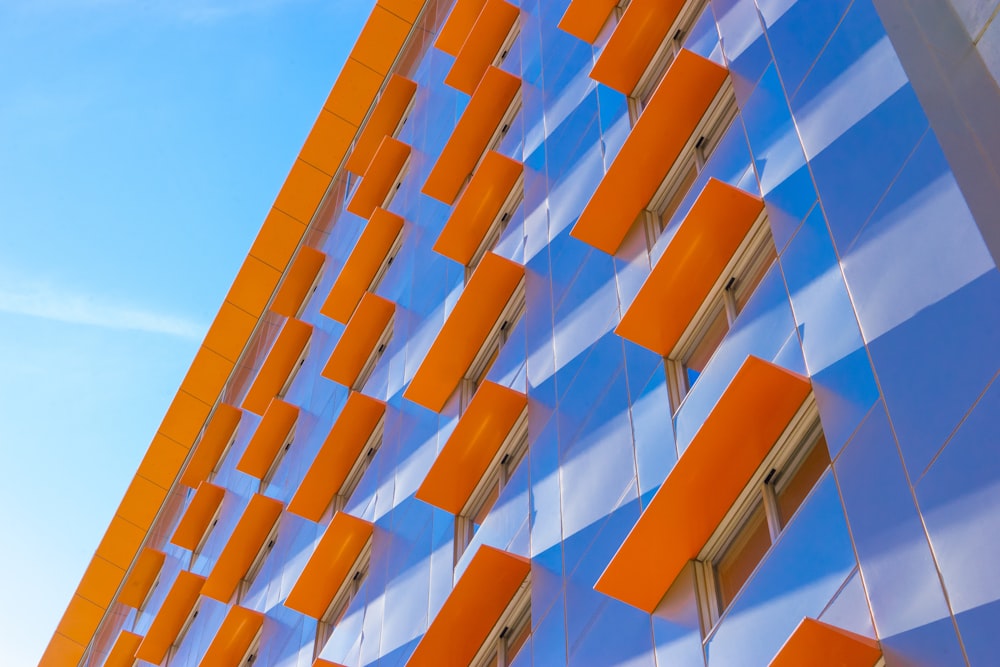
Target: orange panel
{"x":337,"y":456}
{"x":691,"y":264}
{"x":408,"y":10}
{"x":354,"y":91}
{"x":465,"y":331}
{"x":384,"y":120}
{"x":476,"y":439}
{"x":480,"y":119}
{"x":320,"y":662}
{"x":121,"y":542}
{"x":242,"y":547}
{"x":482,"y":45}
{"x":472,"y":609}
{"x":144,"y":572}
{"x":80,"y":620}
{"x":381,"y":175}
{"x":328,"y":142}
{"x":231,"y":329}
{"x":253,"y":286}
{"x":819,"y":644}
{"x":634,"y":43}
{"x":478,"y":206}
{"x":141,"y":502}
{"x":267,"y":440}
{"x":184,"y":419}
{"x":198,"y":516}
{"x":234,"y":637}
{"x":163,"y":461}
{"x":123,"y":652}
{"x":297,"y":282}
{"x":100,"y":581}
{"x":207,"y":375}
{"x":650,"y":150}
{"x":278,"y":365}
{"x":302,"y":192}
{"x":380,"y":40}
{"x":61,"y":652}
{"x":722,"y":457}
{"x":585,"y":18}
{"x":358,"y":341}
{"x":362,"y":265}
{"x":458,"y":25}
{"x":218,"y":433}
{"x":329,"y":565}
{"x":169,"y":620}
{"x":277,"y":240}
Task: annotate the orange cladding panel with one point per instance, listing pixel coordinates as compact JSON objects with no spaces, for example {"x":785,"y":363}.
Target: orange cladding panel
{"x":458,"y":25}
{"x":472,"y":609}
{"x":362,"y":265}
{"x":731,"y":444}
{"x":585,"y":18}
{"x":649,"y":152}
{"x":277,"y":240}
{"x":478,"y":206}
{"x":337,"y":456}
{"x":278,"y":365}
{"x":207,"y":375}
{"x":80,"y":619}
{"x":170,"y":618}
{"x":302,"y":192}
{"x":231,"y":329}
{"x":61,"y":652}
{"x":330,"y":565}
{"x":123,"y":652}
{"x":144,"y":572}
{"x":163,"y":461}
{"x":379,"y":178}
{"x":381,"y":40}
{"x":218,"y":433}
{"x":242,"y":547}
{"x":358,"y":341}
{"x":198,"y":516}
{"x":482,"y":45}
{"x":475,"y":441}
{"x":234,"y":637}
{"x":384,"y":120}
{"x":634,"y":43}
{"x":297,"y":281}
{"x":328,"y":142}
{"x":480,"y":119}
{"x":464,"y":331}
{"x":354,"y":92}
{"x":684,"y":275}
{"x":819,"y":644}
{"x":266,"y":442}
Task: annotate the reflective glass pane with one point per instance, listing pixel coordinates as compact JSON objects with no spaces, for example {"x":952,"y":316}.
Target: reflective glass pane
{"x":802,"y":481}
{"x":745,"y":285}
{"x":706,"y":346}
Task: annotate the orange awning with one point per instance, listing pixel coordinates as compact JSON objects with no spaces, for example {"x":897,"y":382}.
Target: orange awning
{"x":141,"y":578}
{"x":198,"y":516}
{"x":235,"y":636}
{"x":465,"y":331}
{"x":297,"y":282}
{"x":723,"y":455}
{"x":381,"y":175}
{"x":362,"y":265}
{"x":479,"y":121}
{"x":457,"y":26}
{"x":684,"y":275}
{"x":267,"y":440}
{"x":382,"y":122}
{"x":330,"y":565}
{"x":278,"y":365}
{"x":482,"y":45}
{"x":634,"y":43}
{"x":471,"y":447}
{"x":820,"y":644}
{"x":585,"y":18}
{"x":359,"y":339}
{"x":170,"y":618}
{"x":242,"y":547}
{"x":664,"y":127}
{"x":123,"y":652}
{"x":218,"y":433}
{"x":472,"y":609}
{"x":478,"y":206}
{"x":337,"y":455}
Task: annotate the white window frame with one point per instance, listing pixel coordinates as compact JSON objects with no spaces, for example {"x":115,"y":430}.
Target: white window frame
{"x":296,"y":367}
{"x":516,"y":617}
{"x":492,"y":236}
{"x":383,"y":268}
{"x":498,"y":336}
{"x":278,"y":458}
{"x":508,"y":42}
{"x":204,"y":538}
{"x":345,"y":595}
{"x":188,"y":622}
{"x":258,"y":562}
{"x":381,"y":345}
{"x":359,"y":468}
{"x":213,"y":475}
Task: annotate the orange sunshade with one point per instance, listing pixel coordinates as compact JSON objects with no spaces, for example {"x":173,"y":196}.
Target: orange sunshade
{"x":198,"y":515}
{"x":330,"y":565}
{"x":358,"y":341}
{"x":820,"y":644}
{"x":267,"y":440}
{"x":362,"y":265}
{"x":242,"y":547}
{"x":381,"y":174}
{"x":691,"y":264}
{"x":482,"y":45}
{"x":337,"y":456}
{"x":217,"y":435}
{"x":278,"y":365}
{"x":123,"y":652}
{"x":478,"y":206}
{"x":666,"y":124}
{"x":476,"y":439}
{"x":472,"y":609}
{"x":634,"y":43}
{"x":169,"y":620}
{"x":585,"y":18}
{"x":465,"y":331}
{"x":724,"y":454}
{"x":382,"y":122}
{"x":232,"y":641}
{"x":298,"y":280}
{"x":480,"y":119}
{"x":456,"y":28}
{"x":141,"y":578}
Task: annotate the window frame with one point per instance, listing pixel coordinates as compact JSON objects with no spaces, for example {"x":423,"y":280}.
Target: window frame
{"x":514,"y":619}
{"x":511,"y":315}
{"x":268,"y":477}
{"x":346,"y":594}
{"x":182,"y":634}
{"x":247,"y":580}
{"x":358,"y":469}
{"x":378,"y":351}
{"x":491,"y":238}
{"x":296,"y":368}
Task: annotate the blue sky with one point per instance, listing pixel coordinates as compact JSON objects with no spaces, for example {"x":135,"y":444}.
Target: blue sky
{"x":141,"y":144}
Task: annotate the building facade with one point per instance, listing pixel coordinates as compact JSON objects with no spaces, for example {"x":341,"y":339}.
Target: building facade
{"x":591,"y":333}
